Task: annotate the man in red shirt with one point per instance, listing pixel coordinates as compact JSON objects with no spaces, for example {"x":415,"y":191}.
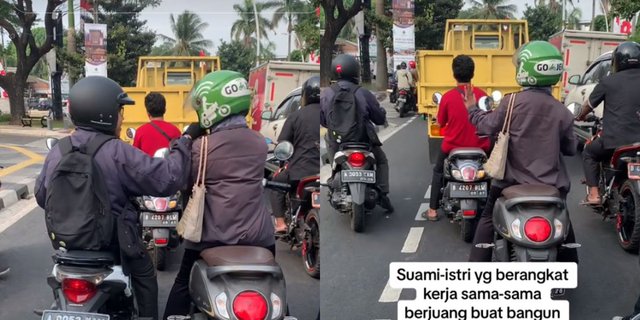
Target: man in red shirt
{"x":458,"y":130}
{"x":156,"y":134}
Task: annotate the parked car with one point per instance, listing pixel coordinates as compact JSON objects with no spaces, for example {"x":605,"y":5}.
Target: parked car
{"x":584,"y":85}
{"x":272,"y":122}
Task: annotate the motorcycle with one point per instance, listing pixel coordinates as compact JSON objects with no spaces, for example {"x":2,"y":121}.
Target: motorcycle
{"x":239,"y":282}
{"x":465,"y":188}
{"x":392,"y":89}
{"x":302,"y":215}
{"x":530,"y":224}
{"x":405,"y":102}
{"x":89,"y":285}
{"x":159,"y":217}
{"x":619,"y":188}
{"x":352,"y":188}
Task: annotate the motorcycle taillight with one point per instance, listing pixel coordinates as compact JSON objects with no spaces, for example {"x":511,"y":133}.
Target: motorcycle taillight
{"x":403,"y":92}
{"x":250,"y":305}
{"x":356,"y":159}
{"x":78,"y":290}
{"x":537,"y":229}
{"x":160,"y":204}
{"x":468,"y":173}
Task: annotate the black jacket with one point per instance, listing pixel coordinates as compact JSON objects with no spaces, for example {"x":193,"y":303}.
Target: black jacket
{"x":302,"y":129}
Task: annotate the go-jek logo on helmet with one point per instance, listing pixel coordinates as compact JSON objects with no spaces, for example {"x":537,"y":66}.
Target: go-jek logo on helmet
{"x":550,"y":67}
{"x":236,"y":88}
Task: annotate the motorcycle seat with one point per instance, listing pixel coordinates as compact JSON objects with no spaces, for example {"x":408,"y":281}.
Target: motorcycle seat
{"x":530,"y":190}
{"x":355,"y":145}
{"x":466,"y":152}
{"x":237,"y":255}
{"x":85,"y":258}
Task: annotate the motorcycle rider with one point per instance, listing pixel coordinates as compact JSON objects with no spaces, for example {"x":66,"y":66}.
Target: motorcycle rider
{"x":405,"y":81}
{"x":235,"y":212}
{"x":620,"y":93}
{"x":346,"y":71}
{"x":301,"y":129}
{"x":459,"y":132}
{"x":97,"y":107}
{"x":541,"y":132}
{"x":156,"y":134}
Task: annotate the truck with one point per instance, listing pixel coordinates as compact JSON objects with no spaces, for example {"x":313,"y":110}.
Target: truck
{"x":491,"y":44}
{"x":580,"y":49}
{"x":173,"y":77}
{"x":271,"y":82}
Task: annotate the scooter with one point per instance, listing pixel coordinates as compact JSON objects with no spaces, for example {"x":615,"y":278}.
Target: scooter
{"x":89,"y":285}
{"x":159,"y":217}
{"x":239,"y":282}
{"x":302,"y":215}
{"x":405,"y":102}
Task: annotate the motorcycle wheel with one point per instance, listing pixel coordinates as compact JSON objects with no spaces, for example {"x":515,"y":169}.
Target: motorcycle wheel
{"x":468,"y":229}
{"x":311,"y":248}
{"x":628,"y":220}
{"x":357,"y":217}
{"x":401,"y":107}
{"x":158,"y":256}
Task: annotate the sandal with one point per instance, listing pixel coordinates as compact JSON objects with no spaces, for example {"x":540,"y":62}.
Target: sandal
{"x":587,"y":202}
{"x":430,"y":218}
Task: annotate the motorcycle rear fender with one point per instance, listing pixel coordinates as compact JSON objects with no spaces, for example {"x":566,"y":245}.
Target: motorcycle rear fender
{"x":104,"y":291}
{"x":550,"y":208}
{"x":523,"y":254}
{"x":469,"y":204}
{"x":358,"y":192}
{"x":161,"y":233}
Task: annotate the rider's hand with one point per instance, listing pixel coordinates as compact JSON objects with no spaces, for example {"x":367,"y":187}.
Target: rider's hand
{"x":195,"y":131}
{"x":469,"y":97}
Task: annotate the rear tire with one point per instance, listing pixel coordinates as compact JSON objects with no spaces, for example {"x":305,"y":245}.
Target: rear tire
{"x":468,"y":229}
{"x":311,"y":258}
{"x":401,"y":107}
{"x":158,"y":257}
{"x":357,"y":217}
{"x":628,"y":219}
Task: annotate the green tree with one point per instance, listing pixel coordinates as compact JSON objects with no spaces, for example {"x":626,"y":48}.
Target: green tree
{"x":625,"y":8}
{"x":573,"y":18}
{"x":599,"y":23}
{"x":245,"y":27}
{"x":493,"y":9}
{"x":308,"y":35}
{"x":296,"y":55}
{"x":335,"y":18}
{"x":187,"y":35}
{"x":236,"y":56}
{"x":164,"y":49}
{"x":431,"y":18}
{"x":292,"y":12}
{"x":17,"y":18}
{"x":543,"y":22}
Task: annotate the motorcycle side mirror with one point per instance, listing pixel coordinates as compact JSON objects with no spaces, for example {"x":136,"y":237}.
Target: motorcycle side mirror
{"x":131,"y":133}
{"x":485,"y":103}
{"x":496,"y":95}
{"x":51,"y":142}
{"x":161,"y":153}
{"x":184,"y":130}
{"x":436,"y":98}
{"x":283,"y":151}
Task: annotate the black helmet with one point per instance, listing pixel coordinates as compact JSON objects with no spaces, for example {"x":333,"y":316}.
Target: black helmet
{"x":345,"y":67}
{"x":403,"y":65}
{"x":94,"y":102}
{"x":310,"y":91}
{"x":626,"y":56}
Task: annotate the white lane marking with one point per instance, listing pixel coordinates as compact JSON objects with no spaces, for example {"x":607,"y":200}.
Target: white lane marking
{"x":428,"y":194}
{"x":16,"y":212}
{"x":387,"y":136}
{"x":413,"y":240}
{"x":390,"y":294}
{"x":423,"y":208}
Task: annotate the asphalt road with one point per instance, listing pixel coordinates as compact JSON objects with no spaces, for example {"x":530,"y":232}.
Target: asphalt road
{"x":355,"y":267}
{"x":26,"y":249}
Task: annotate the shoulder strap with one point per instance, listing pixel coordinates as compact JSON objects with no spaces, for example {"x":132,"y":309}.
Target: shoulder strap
{"x":507,"y":120}
{"x":94,"y":145}
{"x":65,"y":145}
{"x":160,"y":130}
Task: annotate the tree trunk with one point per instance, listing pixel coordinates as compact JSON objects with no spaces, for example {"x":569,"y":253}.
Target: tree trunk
{"x":326,"y":54}
{"x":15,"y":90}
{"x":381,"y":66}
{"x":290,"y":28}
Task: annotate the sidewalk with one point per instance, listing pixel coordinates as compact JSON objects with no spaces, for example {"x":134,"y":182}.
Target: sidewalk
{"x":34,"y":131}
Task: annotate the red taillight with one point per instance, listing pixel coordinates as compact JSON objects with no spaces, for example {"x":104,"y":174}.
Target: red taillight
{"x":403,"y":92}
{"x":468,"y":173}
{"x":250,"y":305}
{"x":356,"y":159}
{"x":160,"y":204}
{"x":469,"y":213}
{"x":161,"y":241}
{"x":537,"y":229}
{"x":78,"y":290}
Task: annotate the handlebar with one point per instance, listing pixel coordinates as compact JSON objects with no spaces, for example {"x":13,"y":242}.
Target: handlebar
{"x":276,"y":185}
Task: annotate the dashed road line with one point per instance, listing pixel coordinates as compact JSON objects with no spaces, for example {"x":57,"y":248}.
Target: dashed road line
{"x":423,"y":208}
{"x":413,"y":240}
{"x":428,"y":194}
{"x":390,"y":294}
{"x":394,"y":131}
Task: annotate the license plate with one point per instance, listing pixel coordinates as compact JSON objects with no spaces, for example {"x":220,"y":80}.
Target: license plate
{"x":315,"y":200}
{"x":402,"y":99}
{"x":168,"y":220}
{"x":468,"y":190}
{"x":633,"y":171}
{"x":70,"y":315}
{"x":363,"y":176}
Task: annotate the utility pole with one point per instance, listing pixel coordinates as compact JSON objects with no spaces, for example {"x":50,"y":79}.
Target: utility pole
{"x":381,"y":59}
{"x":56,"y":75}
{"x":593,"y":15}
{"x":71,"y":34}
{"x":364,"y":46}
{"x":255,"y":12}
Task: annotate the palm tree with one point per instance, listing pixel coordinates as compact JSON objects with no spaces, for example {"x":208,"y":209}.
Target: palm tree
{"x":292,"y":12}
{"x":187,"y":35}
{"x":245,"y":27}
{"x":573,"y":19}
{"x":493,"y":9}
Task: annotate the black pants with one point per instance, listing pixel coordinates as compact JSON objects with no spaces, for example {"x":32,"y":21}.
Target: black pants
{"x":382,"y":170}
{"x":279,"y":198}
{"x":179,"y":299}
{"x":593,"y":154}
{"x":484,"y":234}
{"x":437,"y":181}
{"x":144,"y":282}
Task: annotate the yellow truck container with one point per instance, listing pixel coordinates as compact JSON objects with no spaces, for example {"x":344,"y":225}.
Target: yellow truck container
{"x":490,"y":43}
{"x":173,"y":77}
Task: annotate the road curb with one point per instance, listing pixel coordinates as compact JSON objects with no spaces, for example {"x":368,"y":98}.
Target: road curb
{"x":12,"y":193}
{"x":34,"y":133}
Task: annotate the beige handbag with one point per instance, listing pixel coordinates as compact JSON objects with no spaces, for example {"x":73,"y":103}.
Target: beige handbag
{"x":190,"y":225}
{"x":497,"y":162}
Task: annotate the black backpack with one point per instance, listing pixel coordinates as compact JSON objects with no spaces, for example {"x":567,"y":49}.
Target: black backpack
{"x":344,"y":121}
{"x":78,"y":210}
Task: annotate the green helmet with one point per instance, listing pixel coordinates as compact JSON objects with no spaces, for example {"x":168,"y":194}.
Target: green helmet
{"x":538,"y":64}
{"x":219,"y":95}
